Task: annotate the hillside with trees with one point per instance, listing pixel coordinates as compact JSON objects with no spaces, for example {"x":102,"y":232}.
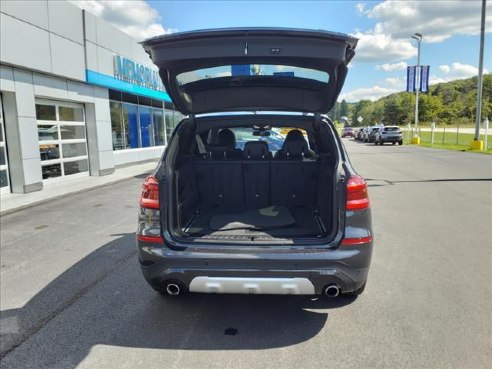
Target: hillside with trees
{"x":452,"y":102}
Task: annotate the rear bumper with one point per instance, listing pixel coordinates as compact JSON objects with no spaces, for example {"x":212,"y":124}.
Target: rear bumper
{"x":391,"y":139}
{"x":347,"y":267}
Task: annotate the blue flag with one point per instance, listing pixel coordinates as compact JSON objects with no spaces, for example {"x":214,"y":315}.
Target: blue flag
{"x":411,"y":78}
{"x":424,"y":78}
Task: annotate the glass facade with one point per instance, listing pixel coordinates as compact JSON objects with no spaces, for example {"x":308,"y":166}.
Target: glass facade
{"x":117,"y":130}
{"x":146,"y":131}
{"x":173,"y":117}
{"x":138,"y":122}
{"x":159,"y":127}
{"x":130,"y":124}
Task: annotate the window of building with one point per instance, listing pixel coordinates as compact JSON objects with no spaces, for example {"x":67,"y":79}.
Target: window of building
{"x":142,"y":124}
{"x":159,"y":127}
{"x":173,"y":117}
{"x":117,"y":127}
{"x":146,"y":131}
{"x":130,"y":124}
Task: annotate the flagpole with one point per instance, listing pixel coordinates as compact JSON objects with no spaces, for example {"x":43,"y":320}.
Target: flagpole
{"x":477,"y":144}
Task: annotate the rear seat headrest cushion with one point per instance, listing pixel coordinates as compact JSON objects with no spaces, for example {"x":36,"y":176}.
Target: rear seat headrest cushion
{"x":256,"y":150}
{"x":295,"y":145}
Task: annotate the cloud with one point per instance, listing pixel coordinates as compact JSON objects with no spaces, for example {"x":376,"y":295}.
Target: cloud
{"x":436,"y":20}
{"x":372,"y":93}
{"x":445,"y":68}
{"x":396,"y":82}
{"x":360,"y":8}
{"x":396,"y":21}
{"x":391,"y":67}
{"x":137,"y":18}
{"x":455,"y":71}
{"x":375,"y":46}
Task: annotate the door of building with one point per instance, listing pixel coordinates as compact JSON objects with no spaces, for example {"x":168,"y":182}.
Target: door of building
{"x":62,"y":138}
{"x":4,"y":163}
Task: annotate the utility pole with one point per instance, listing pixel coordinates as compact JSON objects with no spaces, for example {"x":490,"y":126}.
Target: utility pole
{"x":477,"y":144}
{"x":416,"y":138}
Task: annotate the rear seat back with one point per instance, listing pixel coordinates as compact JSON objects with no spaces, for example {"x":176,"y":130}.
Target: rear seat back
{"x":256,"y":181}
{"x":256,"y":150}
{"x":294,"y":183}
{"x":219,"y":182}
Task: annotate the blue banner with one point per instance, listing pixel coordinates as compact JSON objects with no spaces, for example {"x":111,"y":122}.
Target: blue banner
{"x":411,"y":78}
{"x":424,"y":78}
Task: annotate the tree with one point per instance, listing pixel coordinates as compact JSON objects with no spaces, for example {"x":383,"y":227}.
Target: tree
{"x":344,"y":109}
{"x":449,"y":102}
{"x":429,"y":107}
{"x":396,"y":110}
{"x":361,"y":109}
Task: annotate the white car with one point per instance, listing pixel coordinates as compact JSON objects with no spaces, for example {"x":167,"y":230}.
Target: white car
{"x":391,"y":134}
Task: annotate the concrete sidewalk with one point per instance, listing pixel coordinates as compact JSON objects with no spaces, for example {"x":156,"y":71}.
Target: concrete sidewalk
{"x":67,"y":186}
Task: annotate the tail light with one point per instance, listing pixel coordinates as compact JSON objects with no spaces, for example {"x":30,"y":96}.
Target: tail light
{"x":356,"y":241}
{"x":149,"y":225}
{"x":357,"y":199}
{"x":357,"y":196}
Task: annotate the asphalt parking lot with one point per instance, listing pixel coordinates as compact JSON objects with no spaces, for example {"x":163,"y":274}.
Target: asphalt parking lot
{"x":72,"y":295}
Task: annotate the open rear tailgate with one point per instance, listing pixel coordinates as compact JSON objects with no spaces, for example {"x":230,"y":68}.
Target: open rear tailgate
{"x":252,"y":69}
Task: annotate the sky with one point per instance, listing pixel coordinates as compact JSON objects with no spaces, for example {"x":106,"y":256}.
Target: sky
{"x":450,"y":29}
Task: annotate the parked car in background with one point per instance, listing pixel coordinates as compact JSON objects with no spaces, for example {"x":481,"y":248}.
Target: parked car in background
{"x":348,"y":132}
{"x":371,"y":134}
{"x":358,"y":135}
{"x":218,"y":218}
{"x":391,"y":134}
{"x":363,"y":137}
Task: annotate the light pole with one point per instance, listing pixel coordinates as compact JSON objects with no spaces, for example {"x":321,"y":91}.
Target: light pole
{"x":477,"y":144}
{"x":416,"y":138}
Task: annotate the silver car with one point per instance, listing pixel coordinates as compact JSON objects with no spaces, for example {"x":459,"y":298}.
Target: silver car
{"x":391,"y":134}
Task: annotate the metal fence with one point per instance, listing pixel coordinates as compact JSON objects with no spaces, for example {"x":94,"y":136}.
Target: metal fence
{"x":449,"y":135}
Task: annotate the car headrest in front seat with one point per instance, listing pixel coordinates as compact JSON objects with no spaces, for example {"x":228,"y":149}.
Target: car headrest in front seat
{"x":226,"y":138}
{"x":295,"y":147}
{"x":256,"y":150}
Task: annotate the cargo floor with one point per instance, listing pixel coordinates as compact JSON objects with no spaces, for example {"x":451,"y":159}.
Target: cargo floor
{"x":304,"y":224}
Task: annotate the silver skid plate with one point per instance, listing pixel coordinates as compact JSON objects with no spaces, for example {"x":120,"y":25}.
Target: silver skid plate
{"x":269,"y":286}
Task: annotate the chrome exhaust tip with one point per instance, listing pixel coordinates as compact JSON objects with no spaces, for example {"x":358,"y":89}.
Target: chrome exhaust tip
{"x":332,"y":290}
{"x":173,"y":289}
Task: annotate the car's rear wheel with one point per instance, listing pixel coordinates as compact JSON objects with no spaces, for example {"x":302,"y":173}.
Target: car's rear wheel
{"x":400,"y":142}
{"x":381,"y":143}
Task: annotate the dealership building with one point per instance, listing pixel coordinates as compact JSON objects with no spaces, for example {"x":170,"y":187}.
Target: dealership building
{"x":78,"y":97}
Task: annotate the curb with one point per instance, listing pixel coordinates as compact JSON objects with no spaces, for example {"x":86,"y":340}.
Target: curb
{"x":56,"y":197}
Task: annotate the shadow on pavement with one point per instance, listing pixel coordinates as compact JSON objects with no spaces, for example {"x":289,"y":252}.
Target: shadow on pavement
{"x":103,"y":299}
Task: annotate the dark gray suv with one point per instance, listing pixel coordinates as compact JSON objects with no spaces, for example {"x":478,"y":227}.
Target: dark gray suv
{"x":219,"y":217}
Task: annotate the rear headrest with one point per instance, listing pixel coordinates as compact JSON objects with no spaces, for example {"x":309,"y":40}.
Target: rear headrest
{"x":256,"y":150}
{"x":226,"y":138}
{"x":295,"y":145}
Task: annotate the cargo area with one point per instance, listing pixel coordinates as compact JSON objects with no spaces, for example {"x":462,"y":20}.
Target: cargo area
{"x":254,"y":198}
